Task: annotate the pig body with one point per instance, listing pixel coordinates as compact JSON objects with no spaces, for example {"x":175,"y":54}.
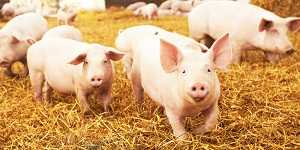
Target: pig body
{"x":17,"y":35}
{"x":135,"y":6}
{"x":252,"y":27}
{"x":176,"y":72}
{"x":149,"y":11}
{"x":79,"y":68}
{"x":64,"y":31}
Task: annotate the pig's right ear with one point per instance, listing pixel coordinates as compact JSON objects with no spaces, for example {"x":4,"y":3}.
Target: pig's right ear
{"x":222,"y":52}
{"x":79,"y":59}
{"x":170,"y":56}
{"x":265,"y":25}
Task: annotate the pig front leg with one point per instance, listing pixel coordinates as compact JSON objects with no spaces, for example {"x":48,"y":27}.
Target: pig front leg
{"x":37,"y":80}
{"x":82,"y":97}
{"x":47,"y":90}
{"x":176,"y":124}
{"x":25,"y":67}
{"x":104,"y":96}
{"x":127,"y":62}
{"x":211,"y":120}
{"x":137,"y":85}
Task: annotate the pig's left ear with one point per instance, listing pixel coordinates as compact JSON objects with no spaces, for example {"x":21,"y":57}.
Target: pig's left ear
{"x":79,"y":59}
{"x":222,"y":52}
{"x":170,"y":56}
{"x":293,"y":23}
{"x":113,"y":54}
{"x":14,"y":40}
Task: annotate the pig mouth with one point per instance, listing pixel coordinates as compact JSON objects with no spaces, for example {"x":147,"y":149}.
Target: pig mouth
{"x":200,"y":98}
{"x":5,"y":64}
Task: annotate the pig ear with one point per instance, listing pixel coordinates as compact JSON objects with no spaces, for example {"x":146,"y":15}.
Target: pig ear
{"x":222,"y":52}
{"x":170,"y":56}
{"x":265,"y":25}
{"x":14,"y":40}
{"x":114,"y":54}
{"x":293,"y":24}
{"x":30,"y":41}
{"x":79,"y":59}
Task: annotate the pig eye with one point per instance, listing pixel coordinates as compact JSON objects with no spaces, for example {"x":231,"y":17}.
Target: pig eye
{"x":105,"y":61}
{"x":85,"y":62}
{"x":183,"y":72}
{"x":208,"y":70}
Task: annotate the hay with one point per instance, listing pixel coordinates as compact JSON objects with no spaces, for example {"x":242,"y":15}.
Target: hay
{"x":259,"y":108}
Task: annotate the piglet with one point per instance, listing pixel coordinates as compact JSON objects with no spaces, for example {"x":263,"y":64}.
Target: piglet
{"x":149,"y":11}
{"x":64,"y":31}
{"x":66,"y":16}
{"x":176,"y":72}
{"x":16,"y":36}
{"x":251,"y":28}
{"x":182,"y":6}
{"x":135,"y":6}
{"x":70,"y":66}
{"x":8,"y":11}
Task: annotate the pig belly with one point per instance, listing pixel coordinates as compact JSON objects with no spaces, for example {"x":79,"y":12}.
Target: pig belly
{"x":59,"y":81}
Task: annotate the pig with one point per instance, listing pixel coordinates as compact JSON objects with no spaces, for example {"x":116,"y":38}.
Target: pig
{"x":16,"y":36}
{"x":176,"y":72}
{"x":66,"y":16}
{"x":165,"y":12}
{"x":166,"y":4}
{"x":149,"y":11}
{"x":135,"y":6}
{"x":64,"y":31}
{"x":252,"y":27}
{"x":8,"y":11}
{"x":70,"y":66}
{"x":182,"y":6}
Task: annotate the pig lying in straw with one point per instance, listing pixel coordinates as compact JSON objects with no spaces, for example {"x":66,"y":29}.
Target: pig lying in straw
{"x":64,"y":31}
{"x":70,"y":66}
{"x":176,"y":72}
{"x":16,"y":36}
{"x":252,"y":27}
{"x":149,"y":11}
{"x":135,"y":6}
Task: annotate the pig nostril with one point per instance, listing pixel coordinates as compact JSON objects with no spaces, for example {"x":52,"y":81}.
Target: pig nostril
{"x":194,"y":88}
{"x":202,"y":88}
{"x":98,"y":79}
{"x":93,"y":79}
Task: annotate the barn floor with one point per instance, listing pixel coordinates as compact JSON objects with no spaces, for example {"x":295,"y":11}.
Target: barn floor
{"x":259,"y":106}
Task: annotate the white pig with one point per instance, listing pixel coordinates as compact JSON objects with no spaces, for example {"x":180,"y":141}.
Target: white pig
{"x":177,"y":73}
{"x":182,"y":6}
{"x":64,"y":31}
{"x":149,"y":11}
{"x":166,"y":4}
{"x":250,"y":28}
{"x":8,"y":11}
{"x":66,"y":16}
{"x":17,"y":35}
{"x":70,"y":66}
{"x":135,"y":6}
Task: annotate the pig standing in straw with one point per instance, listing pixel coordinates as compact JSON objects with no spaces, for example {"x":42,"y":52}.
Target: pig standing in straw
{"x":135,"y":6}
{"x":64,"y":31}
{"x":250,"y":28}
{"x":16,"y":36}
{"x":177,"y":73}
{"x":149,"y":11}
{"x":70,"y":66}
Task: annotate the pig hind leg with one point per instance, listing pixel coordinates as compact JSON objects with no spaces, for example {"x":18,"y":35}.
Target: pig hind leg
{"x":37,"y":80}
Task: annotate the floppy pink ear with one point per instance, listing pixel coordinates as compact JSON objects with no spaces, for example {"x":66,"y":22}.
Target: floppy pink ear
{"x":30,"y":41}
{"x":265,"y":25}
{"x":170,"y":56}
{"x":114,"y":54}
{"x":79,"y":59}
{"x":222,"y":52}
{"x":293,"y":24}
{"x":14,"y":40}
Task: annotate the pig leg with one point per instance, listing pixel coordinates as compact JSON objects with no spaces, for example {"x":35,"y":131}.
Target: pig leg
{"x":47,"y":90}
{"x":137,"y":85}
{"x":272,"y":57}
{"x":82,"y":96}
{"x":104,"y":96}
{"x":177,"y":124}
{"x":37,"y":80}
{"x":211,"y":120}
{"x":127,"y":61}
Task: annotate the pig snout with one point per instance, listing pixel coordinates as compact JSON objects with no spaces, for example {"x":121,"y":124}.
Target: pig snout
{"x":96,"y":81}
{"x":198,"y":91}
{"x":4,"y":63}
{"x":290,"y":51}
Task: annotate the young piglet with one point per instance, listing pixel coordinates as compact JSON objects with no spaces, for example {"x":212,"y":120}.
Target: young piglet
{"x":70,"y":66}
{"x":177,"y":73}
{"x":250,"y":28}
{"x":17,"y":35}
{"x":135,"y":6}
{"x":149,"y":11}
{"x":64,"y":31}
